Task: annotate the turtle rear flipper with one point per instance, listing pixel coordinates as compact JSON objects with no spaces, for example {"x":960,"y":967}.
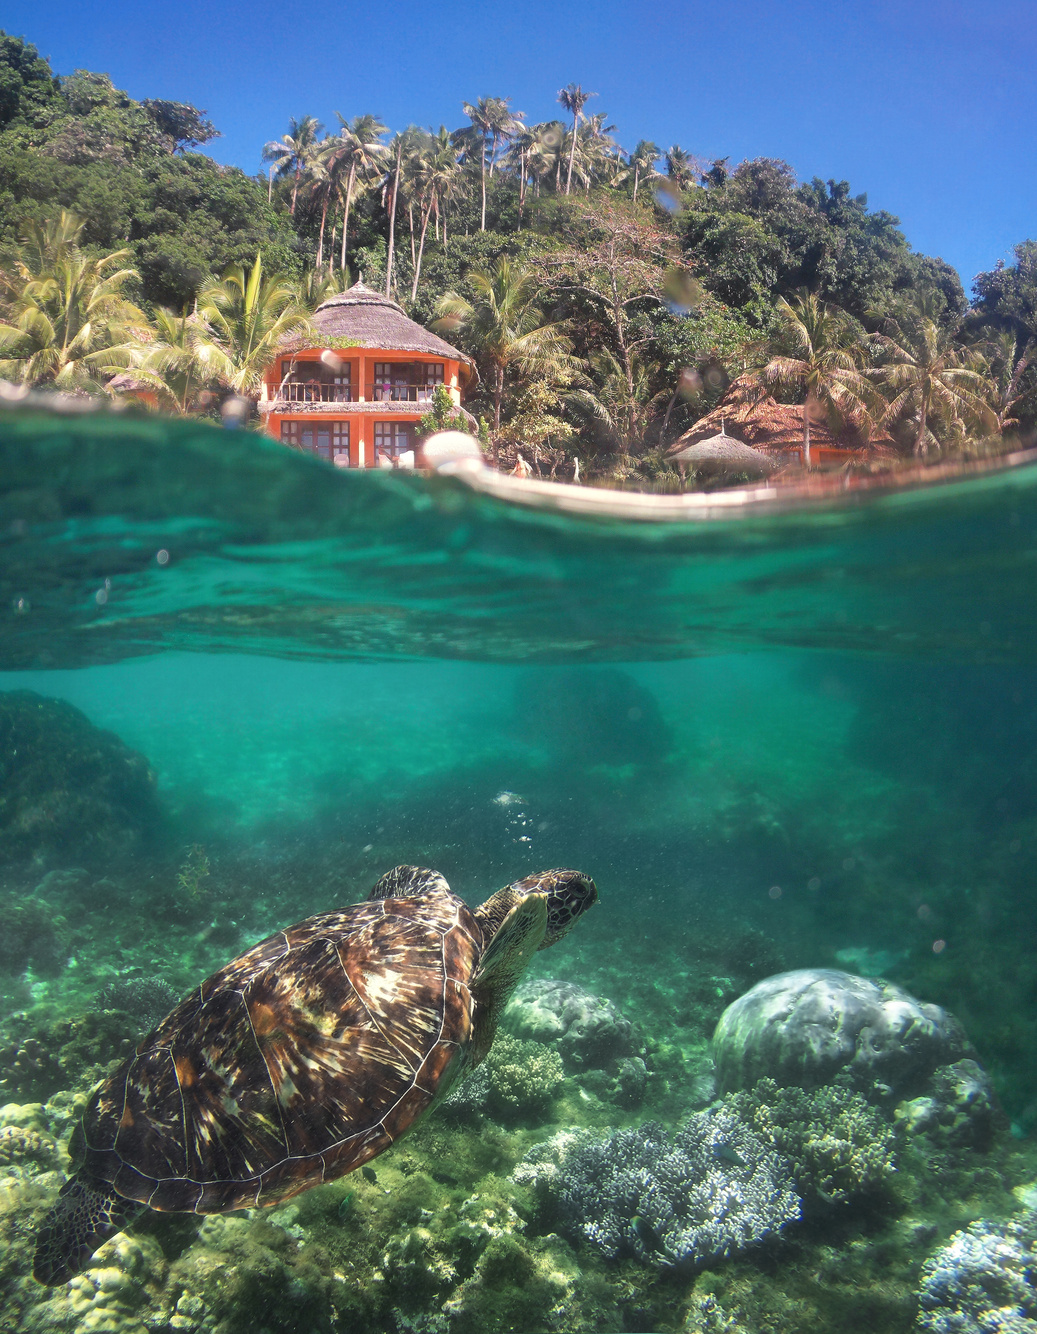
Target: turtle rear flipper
{"x":87,"y":1214}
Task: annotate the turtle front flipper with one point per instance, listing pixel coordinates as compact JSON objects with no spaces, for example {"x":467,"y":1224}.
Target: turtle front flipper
{"x":87,"y":1214}
{"x":503,"y":962}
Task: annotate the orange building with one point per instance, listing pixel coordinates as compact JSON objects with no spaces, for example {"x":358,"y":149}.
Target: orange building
{"x":356,"y":396}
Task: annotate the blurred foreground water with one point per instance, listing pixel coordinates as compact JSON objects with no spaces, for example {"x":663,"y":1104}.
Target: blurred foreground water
{"x":792,"y":739}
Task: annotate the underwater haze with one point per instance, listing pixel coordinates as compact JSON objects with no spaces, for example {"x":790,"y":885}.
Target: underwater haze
{"x":237,"y":686}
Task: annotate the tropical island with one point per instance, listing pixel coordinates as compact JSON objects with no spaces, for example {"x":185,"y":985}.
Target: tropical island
{"x":637,"y":318}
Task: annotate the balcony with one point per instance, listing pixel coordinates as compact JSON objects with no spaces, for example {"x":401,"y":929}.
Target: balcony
{"x":313,"y":391}
{"x":383,"y":391}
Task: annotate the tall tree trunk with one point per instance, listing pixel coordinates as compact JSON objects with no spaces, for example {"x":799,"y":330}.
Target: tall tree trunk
{"x":637,"y":175}
{"x":421,"y":250}
{"x":413,"y":251}
{"x":345,"y":219}
{"x":295,"y":187}
{"x":522,"y":183}
{"x":806,"y":432}
{"x":572,"y":152}
{"x":392,"y":219}
{"x":920,"y":446}
{"x":482,"y":225}
{"x":323,"y":219}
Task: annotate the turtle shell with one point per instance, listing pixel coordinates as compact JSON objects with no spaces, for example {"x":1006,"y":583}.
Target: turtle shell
{"x":294,"y":1064}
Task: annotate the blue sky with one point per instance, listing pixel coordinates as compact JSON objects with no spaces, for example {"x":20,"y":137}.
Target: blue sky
{"x":927,"y":107}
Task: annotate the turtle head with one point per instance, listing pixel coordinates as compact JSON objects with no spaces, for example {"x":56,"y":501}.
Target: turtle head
{"x":569,"y":894}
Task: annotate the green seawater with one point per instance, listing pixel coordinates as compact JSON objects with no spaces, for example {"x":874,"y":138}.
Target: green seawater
{"x":804,"y":737}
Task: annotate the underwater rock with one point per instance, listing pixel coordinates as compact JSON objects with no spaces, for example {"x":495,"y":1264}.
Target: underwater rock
{"x":588,"y":1030}
{"x":982,"y":1281}
{"x":839,"y":1146}
{"x":818,"y":1026}
{"x":959,"y":1107}
{"x":68,"y":787}
{"x":711,"y":1191}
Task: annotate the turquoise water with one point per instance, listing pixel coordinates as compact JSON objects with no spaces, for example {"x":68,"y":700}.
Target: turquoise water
{"x":776,"y":740}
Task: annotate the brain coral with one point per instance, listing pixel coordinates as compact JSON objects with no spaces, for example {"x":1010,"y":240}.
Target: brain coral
{"x":818,"y":1026}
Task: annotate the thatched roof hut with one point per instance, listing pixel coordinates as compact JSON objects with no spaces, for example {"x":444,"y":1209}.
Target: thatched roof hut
{"x":366,"y":318}
{"x":722,"y":456}
{"x":753,"y":417}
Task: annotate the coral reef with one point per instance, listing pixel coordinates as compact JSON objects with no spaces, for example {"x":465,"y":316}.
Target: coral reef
{"x":838,"y":1145}
{"x":518,"y":1080}
{"x":148,"y":999}
{"x":18,"y":1144}
{"x":68,"y":787}
{"x":982,"y":1281}
{"x":38,"y":1060}
{"x":712,"y":1190}
{"x":817,"y":1026}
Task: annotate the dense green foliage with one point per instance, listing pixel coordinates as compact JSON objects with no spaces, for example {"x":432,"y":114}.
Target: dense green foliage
{"x":665,"y":277}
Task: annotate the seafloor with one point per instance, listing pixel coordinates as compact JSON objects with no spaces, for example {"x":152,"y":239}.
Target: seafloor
{"x":741,"y":818}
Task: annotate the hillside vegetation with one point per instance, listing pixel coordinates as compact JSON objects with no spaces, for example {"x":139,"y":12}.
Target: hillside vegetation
{"x":610,"y":296}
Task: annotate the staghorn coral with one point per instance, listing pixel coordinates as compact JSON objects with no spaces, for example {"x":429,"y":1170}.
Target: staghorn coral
{"x":712,"y":1190}
{"x":982,"y":1281}
{"x":839,"y":1146}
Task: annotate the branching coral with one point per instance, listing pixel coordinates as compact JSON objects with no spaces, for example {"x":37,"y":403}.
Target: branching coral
{"x":712,"y":1190}
{"x":839,"y":1146}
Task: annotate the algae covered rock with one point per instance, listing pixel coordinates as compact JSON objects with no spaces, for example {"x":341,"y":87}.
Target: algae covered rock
{"x":68,"y":787}
{"x":33,"y":936}
{"x":958,"y":1110}
{"x":818,"y":1026}
{"x":588,"y":1030}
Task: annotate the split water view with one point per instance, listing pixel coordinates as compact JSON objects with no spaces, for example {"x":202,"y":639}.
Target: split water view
{"x":518,"y":647}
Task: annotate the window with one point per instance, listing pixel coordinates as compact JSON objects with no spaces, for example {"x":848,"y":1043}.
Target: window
{"x":405,"y":381}
{"x":315,"y":382}
{"x":329,"y":440}
{"x":391,"y":439}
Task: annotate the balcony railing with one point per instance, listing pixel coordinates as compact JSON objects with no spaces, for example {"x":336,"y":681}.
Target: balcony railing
{"x":314,"y":391}
{"x":385,"y":392}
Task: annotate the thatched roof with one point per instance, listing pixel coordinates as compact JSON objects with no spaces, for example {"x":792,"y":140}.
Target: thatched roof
{"x":755,"y":418}
{"x":368,"y":319}
{"x":723,"y":456}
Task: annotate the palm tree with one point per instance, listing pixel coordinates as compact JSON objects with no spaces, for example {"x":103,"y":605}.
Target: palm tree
{"x":250,"y":316}
{"x":931,"y":378}
{"x":182,"y":362}
{"x":824,"y":366}
{"x":574,"y":99}
{"x":292,"y":152}
{"x":506,"y":328}
{"x":680,"y":168}
{"x":69,"y":325}
{"x":398,"y":146}
{"x":1006,"y":367}
{"x":643,"y":160}
{"x":494,"y":120}
{"x":358,"y":152}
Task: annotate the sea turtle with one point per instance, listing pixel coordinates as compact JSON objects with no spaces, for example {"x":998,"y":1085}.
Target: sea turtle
{"x":305,"y":1057}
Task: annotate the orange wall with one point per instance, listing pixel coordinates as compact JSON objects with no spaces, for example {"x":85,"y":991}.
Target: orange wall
{"x":361,"y":424}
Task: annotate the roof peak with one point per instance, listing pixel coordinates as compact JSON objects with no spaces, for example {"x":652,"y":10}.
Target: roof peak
{"x":361,"y":295}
